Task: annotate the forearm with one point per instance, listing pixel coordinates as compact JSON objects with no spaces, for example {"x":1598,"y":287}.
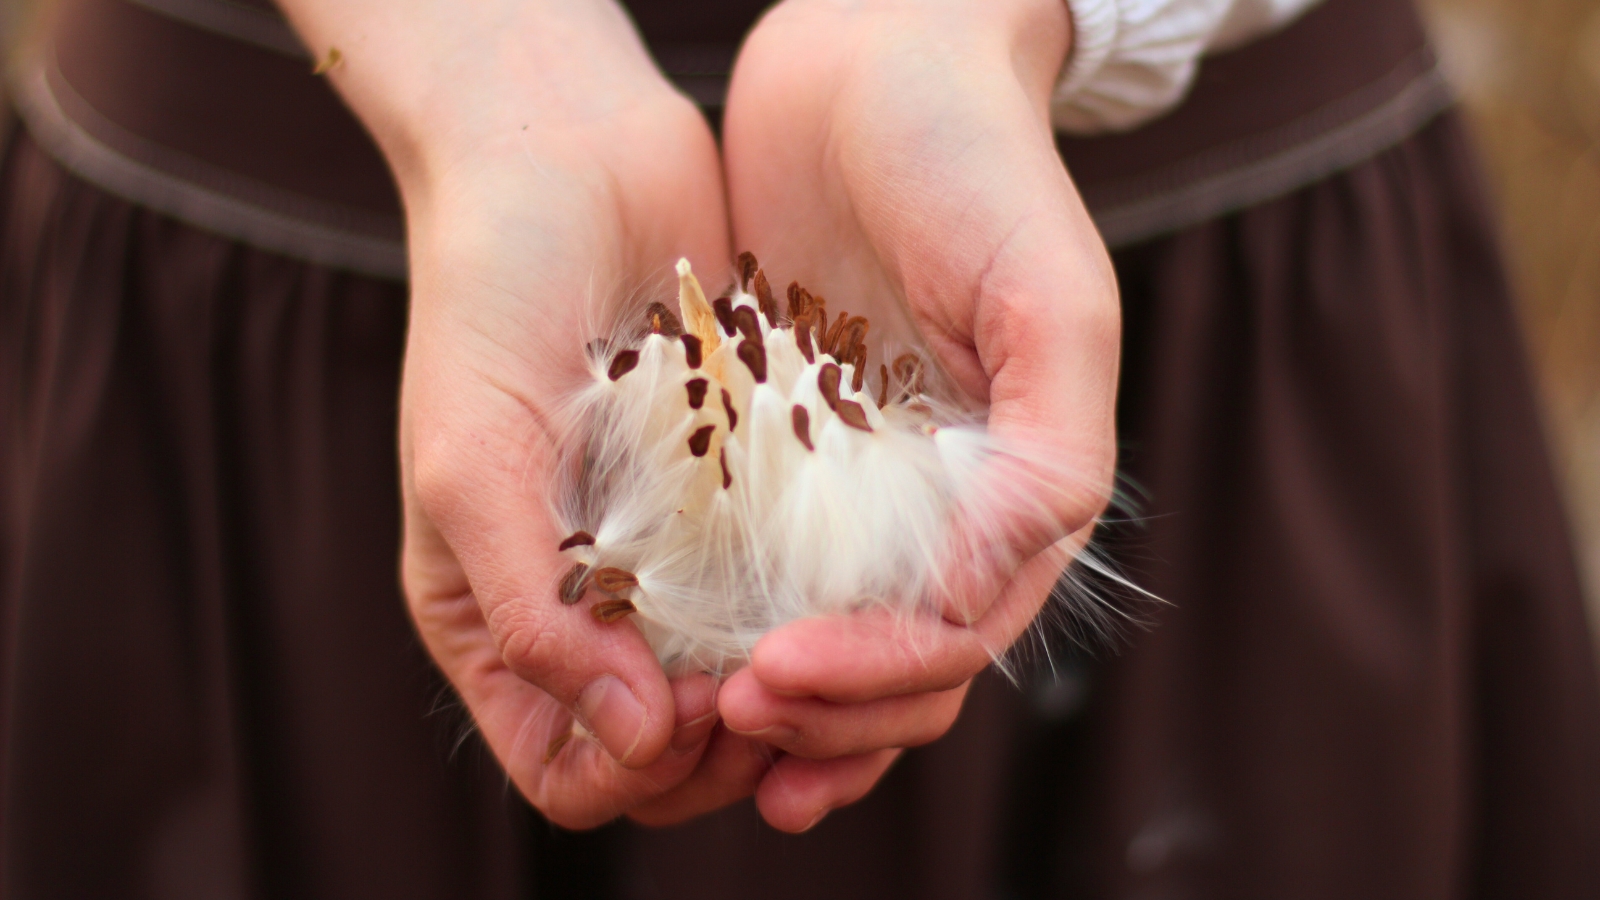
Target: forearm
{"x":443,"y":85}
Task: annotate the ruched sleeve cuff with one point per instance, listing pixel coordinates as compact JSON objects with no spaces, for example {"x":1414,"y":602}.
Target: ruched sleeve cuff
{"x":1133,"y":60}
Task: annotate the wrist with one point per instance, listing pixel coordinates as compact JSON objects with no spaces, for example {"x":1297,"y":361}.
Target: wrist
{"x":1035,"y":36}
{"x":447,"y":88}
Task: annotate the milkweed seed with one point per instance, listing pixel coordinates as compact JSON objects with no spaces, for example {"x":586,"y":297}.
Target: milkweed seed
{"x":573,"y":584}
{"x":744,"y":319}
{"x":754,"y":356}
{"x":663,"y":321}
{"x":623,"y":363}
{"x":747,"y":270}
{"x":722,"y":308}
{"x":612,"y":580}
{"x":727,"y":406}
{"x":802,"y":425}
{"x":828,"y":384}
{"x":769,"y":306}
{"x":607,"y":611}
{"x":802,"y":338}
{"x":851,"y":413}
{"x":691,"y":350}
{"x":577,"y":539}
{"x":700,"y":441}
{"x":697,"y":392}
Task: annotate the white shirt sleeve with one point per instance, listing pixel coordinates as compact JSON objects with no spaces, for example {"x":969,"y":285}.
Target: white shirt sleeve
{"x":1133,"y":60}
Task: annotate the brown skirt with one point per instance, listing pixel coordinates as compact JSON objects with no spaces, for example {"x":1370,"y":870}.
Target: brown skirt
{"x":1373,"y":678}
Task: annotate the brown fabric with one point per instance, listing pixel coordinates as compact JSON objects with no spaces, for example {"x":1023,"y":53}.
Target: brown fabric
{"x":207,"y":683}
{"x":255,"y":125}
{"x":229,"y":116}
{"x":1373,"y":680}
{"x":1244,"y":105}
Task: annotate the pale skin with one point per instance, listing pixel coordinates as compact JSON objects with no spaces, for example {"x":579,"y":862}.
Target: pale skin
{"x":544,"y":161}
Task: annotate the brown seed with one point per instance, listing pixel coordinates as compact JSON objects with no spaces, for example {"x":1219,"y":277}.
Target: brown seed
{"x":722,"y":308}
{"x":597,"y":348}
{"x":700,"y":441}
{"x":799,"y":301}
{"x":828,"y":384}
{"x":851,"y":413}
{"x":744,"y":319}
{"x":883,"y":386}
{"x":613,"y":580}
{"x":697,"y":392}
{"x":691,"y":350}
{"x":802,"y":338}
{"x":727,"y":406}
{"x":573,"y":584}
{"x":663,"y":321}
{"x":577,"y":539}
{"x":860,"y":363}
{"x":769,"y":306}
{"x":830,"y":343}
{"x":802,"y":425}
{"x":855,"y":331}
{"x":623,"y":363}
{"x":722,"y":460}
{"x":908,"y":371}
{"x":754,"y":356}
{"x":607,"y":611}
{"x":747,"y":270}
{"x":556,"y":743}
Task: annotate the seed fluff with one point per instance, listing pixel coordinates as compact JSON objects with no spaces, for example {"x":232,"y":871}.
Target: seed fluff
{"x":805,"y":491}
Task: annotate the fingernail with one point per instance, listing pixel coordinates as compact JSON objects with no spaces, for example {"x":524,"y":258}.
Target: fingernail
{"x":772,"y":734}
{"x":820,"y":816}
{"x":613,"y":715}
{"x":692,"y":734}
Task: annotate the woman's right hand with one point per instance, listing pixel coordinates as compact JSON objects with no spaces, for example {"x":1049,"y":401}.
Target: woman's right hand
{"x":544,"y":164}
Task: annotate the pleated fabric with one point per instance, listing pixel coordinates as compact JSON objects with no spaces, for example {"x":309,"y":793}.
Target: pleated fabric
{"x":1371,"y":676}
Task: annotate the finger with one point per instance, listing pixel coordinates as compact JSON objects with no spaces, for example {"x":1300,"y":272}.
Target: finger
{"x":820,"y":729}
{"x":476,"y":522}
{"x":568,"y":776}
{"x":729,"y":771}
{"x":880,"y":653}
{"x":798,"y":793}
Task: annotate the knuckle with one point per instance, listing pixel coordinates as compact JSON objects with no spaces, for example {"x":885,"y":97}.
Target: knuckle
{"x":528,"y":645}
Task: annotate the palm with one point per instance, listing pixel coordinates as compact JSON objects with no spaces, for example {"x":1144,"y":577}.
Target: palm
{"x":507,"y":267}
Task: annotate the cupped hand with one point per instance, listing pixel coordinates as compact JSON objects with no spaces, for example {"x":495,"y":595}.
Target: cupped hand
{"x":546,"y":169}
{"x":902,"y":149}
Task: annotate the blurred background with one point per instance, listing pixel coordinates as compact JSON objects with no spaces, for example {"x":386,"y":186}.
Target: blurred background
{"x":1528,"y":73}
